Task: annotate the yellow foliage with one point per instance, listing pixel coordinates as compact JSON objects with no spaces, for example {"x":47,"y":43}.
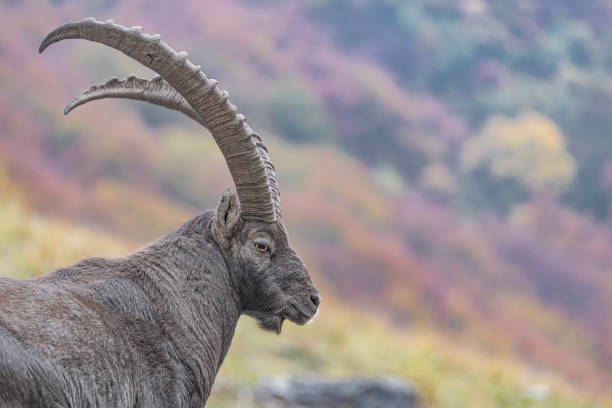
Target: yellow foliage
{"x":31,"y":245}
{"x":529,"y":148}
{"x":341,"y":343}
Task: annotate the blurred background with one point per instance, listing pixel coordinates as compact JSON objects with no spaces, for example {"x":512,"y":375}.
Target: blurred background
{"x":445,"y":169}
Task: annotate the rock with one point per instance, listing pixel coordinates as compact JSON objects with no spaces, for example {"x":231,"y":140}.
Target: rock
{"x":350,"y":393}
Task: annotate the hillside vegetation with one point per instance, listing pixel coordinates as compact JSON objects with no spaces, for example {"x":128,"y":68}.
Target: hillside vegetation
{"x":444,"y":166}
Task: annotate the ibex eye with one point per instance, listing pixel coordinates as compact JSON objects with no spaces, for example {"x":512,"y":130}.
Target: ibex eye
{"x":261,"y":247}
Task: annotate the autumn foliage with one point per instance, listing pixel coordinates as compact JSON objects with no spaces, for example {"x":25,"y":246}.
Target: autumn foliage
{"x":444,"y":166}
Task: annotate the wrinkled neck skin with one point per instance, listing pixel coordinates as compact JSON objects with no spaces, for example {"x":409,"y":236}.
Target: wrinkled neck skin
{"x":181,"y":291}
{"x":198,"y":293}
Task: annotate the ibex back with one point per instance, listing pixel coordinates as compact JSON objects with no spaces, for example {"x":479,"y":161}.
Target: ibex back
{"x":152,"y":328}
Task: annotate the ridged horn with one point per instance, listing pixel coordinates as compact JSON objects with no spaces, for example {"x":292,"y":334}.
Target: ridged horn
{"x":245,"y":154}
{"x":156,"y":91}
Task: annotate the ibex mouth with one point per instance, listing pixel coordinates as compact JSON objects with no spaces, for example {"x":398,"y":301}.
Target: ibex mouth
{"x":299,"y":316}
{"x":313,"y":317}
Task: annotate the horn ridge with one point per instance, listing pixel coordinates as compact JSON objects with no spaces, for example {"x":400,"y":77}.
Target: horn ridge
{"x":155,"y":91}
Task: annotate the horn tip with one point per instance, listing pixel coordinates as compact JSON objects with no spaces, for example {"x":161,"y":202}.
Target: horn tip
{"x":47,"y":41}
{"x":71,"y":105}
{"x":65,"y":31}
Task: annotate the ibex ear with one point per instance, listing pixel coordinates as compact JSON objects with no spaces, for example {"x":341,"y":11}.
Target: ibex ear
{"x":227,"y":217}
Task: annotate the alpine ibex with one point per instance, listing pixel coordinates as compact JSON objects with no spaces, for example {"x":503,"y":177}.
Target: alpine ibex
{"x":152,"y":328}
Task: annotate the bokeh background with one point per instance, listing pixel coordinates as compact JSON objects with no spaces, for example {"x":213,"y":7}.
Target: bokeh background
{"x":445,"y":169}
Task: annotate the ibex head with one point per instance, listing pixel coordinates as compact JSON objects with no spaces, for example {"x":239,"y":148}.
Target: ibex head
{"x":273,"y":282}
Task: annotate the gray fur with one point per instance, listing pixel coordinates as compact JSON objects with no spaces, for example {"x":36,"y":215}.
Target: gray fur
{"x":152,"y":328}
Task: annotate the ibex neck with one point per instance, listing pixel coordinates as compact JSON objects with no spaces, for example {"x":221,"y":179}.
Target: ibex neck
{"x":198,"y":303}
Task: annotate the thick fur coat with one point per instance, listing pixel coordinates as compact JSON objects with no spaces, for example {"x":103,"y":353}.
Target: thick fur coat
{"x":152,"y":328}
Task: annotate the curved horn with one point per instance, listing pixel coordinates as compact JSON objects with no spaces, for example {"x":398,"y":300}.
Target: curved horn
{"x":246,"y":157}
{"x":155,"y":91}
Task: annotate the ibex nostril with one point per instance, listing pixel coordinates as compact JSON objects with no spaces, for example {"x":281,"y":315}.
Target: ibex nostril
{"x":315,"y":299}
